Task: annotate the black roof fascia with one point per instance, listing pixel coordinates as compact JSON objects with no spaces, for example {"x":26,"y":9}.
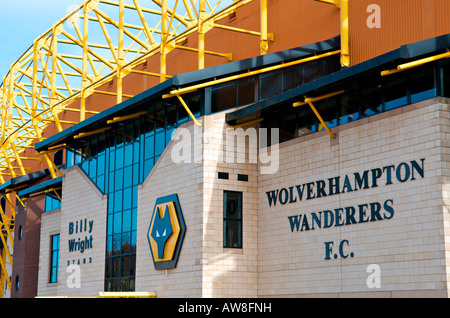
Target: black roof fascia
{"x":40,"y":187}
{"x":427,"y":46}
{"x":189,"y":78}
{"x":101,"y":117}
{"x":381,"y":62}
{"x":227,"y":69}
{"x":20,"y":180}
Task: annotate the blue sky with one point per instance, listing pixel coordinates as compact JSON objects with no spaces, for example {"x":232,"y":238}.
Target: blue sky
{"x":21,"y":21}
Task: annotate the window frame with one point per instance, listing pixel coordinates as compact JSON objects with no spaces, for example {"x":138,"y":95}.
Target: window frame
{"x":239,"y":220}
{"x":54,"y":252}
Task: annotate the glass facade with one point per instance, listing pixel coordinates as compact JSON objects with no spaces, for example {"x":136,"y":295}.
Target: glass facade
{"x":364,"y":96}
{"x":52,"y":202}
{"x":117,"y":161}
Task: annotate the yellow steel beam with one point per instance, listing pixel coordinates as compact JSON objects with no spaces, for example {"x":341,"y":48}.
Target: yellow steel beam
{"x":202,"y":29}
{"x":53,"y":150}
{"x":337,"y":3}
{"x":264,"y":45}
{"x":54,"y":190}
{"x":310,"y":101}
{"x":3,"y":227}
{"x":45,"y":80}
{"x":315,"y":99}
{"x":193,"y":88}
{"x":417,"y":63}
{"x":251,"y":122}
{"x":188,"y":110}
{"x":18,"y":159}
{"x":78,"y":110}
{"x":90,"y":133}
{"x":345,"y":48}
{"x":112,"y":93}
{"x":164,"y":38}
{"x":4,"y":275}
{"x":228,"y":56}
{"x":119,"y":119}
{"x":8,"y":221}
{"x":324,"y":124}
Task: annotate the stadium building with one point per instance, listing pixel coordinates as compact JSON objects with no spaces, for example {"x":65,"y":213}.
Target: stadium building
{"x":271,"y":148}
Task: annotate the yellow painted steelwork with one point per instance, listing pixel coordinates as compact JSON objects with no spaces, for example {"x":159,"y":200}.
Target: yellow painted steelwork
{"x":251,"y":122}
{"x":416,"y":63}
{"x":98,"y":42}
{"x":193,"y":88}
{"x":345,"y":44}
{"x":310,"y":102}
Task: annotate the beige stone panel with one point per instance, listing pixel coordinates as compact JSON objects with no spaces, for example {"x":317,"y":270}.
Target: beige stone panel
{"x":408,"y":248}
{"x":82,"y":201}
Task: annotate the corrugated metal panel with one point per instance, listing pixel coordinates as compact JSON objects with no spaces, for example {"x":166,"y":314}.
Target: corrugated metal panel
{"x":301,"y":22}
{"x":402,"y":22}
{"x":442,"y":17}
{"x":294,"y":23}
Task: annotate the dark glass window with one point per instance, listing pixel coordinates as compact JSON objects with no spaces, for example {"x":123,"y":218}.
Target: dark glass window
{"x":117,"y":161}
{"x":224,"y":98}
{"x":58,"y":158}
{"x":232,"y":219}
{"x":445,"y":75}
{"x":265,"y":85}
{"x":73,"y":157}
{"x":54,"y":262}
{"x":271,"y":85}
{"x":370,"y":96}
{"x":247,"y":92}
{"x":395,"y":91}
{"x":293,"y":77}
{"x":52,"y":202}
{"x":362,"y":97}
{"x":328,"y":110}
{"x":422,"y":84}
{"x":348,"y":109}
{"x":313,"y":71}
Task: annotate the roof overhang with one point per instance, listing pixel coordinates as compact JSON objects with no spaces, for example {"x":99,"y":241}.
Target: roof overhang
{"x":23,"y":181}
{"x":138,"y":102}
{"x":383,"y":62}
{"x":46,"y":185}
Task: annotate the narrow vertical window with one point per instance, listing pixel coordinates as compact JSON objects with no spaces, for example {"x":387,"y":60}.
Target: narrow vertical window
{"x":54,"y":261}
{"x":232,"y":219}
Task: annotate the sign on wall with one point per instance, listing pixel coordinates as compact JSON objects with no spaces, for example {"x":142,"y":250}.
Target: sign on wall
{"x":166,"y":232}
{"x":363,"y":212}
{"x":80,"y":240}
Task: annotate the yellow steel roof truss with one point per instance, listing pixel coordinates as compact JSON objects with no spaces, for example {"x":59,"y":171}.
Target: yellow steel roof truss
{"x":99,"y":41}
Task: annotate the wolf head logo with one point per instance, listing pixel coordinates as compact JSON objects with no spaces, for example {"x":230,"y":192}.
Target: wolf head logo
{"x":166,"y":232}
{"x":162,"y":229}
